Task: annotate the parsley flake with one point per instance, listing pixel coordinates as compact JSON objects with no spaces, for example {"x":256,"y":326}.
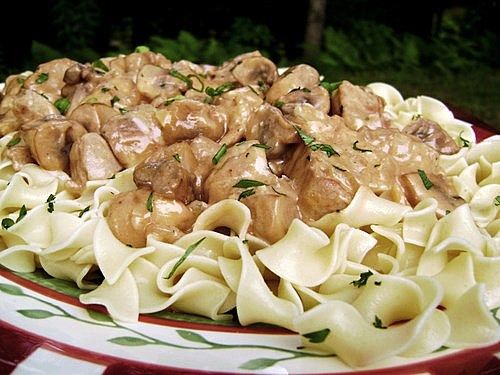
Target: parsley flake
{"x":363,"y":278}
{"x":355,"y":147}
{"x":331,"y":86}
{"x":245,"y":183}
{"x":62,"y":105}
{"x":50,"y":200}
{"x":99,"y":65}
{"x":141,"y":49}
{"x":113,"y":100}
{"x":177,"y":157}
{"x":42,"y":77}
{"x":378,"y":283}
{"x":184,"y":256}
{"x":310,"y":142}
{"x":279,"y":104}
{"x":317,"y":337}
{"x":173,"y":99}
{"x":465,"y":142}
{"x":497,"y":200}
{"x":261,"y":145}
{"x":82,"y":212}
{"x":149,"y":203}
{"x":425,"y":180}
{"x":219,"y":154}
{"x":378,"y":323}
{"x":7,"y":223}
{"x":219,"y":90}
{"x":13,"y":142}
{"x":246,"y":193}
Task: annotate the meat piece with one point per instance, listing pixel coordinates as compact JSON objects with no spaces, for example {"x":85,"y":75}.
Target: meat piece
{"x":415,"y":191}
{"x":116,"y":92}
{"x":50,"y":140}
{"x":132,"y":63}
{"x":238,"y":105}
{"x":91,"y":159}
{"x":48,"y":78}
{"x":299,"y":76}
{"x":276,"y":199}
{"x":93,"y":116}
{"x":133,"y":135}
{"x":80,"y":81}
{"x":20,"y":156}
{"x":317,"y":96}
{"x":359,"y":106}
{"x":29,"y":106}
{"x":203,"y":149}
{"x":131,"y":222}
{"x":321,"y":185}
{"x":268,"y":125}
{"x":153,"y":81}
{"x":186,"y":119}
{"x":254,"y":70}
{"x":224,"y":73}
{"x":433,"y":135}
{"x":169,"y":171}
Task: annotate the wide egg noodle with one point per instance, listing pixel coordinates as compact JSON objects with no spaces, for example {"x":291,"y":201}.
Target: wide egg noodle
{"x":20,"y":258}
{"x":212,"y":246}
{"x":483,"y":205}
{"x":112,"y":256}
{"x":418,"y":223}
{"x":465,"y":183}
{"x":19,"y":193}
{"x":34,"y":228}
{"x":68,"y":270}
{"x":121,"y":298}
{"x":486,"y":271}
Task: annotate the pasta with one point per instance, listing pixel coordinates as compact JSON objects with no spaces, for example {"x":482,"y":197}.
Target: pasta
{"x":377,"y":278}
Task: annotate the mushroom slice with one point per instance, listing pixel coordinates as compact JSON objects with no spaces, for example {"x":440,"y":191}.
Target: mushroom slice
{"x":93,"y":116}
{"x":50,"y":139}
{"x":415,"y":191}
{"x":30,"y":105}
{"x":317,"y":96}
{"x":186,"y":119}
{"x":433,"y":135}
{"x":299,"y":76}
{"x":133,"y":135}
{"x":254,"y":70}
{"x":153,"y":81}
{"x":91,"y":159}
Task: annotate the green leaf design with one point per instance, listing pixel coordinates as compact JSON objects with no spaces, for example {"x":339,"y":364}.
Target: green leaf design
{"x":98,"y":316}
{"x":36,"y":314}
{"x":258,"y":363}
{"x":317,"y":337}
{"x":13,"y":290}
{"x":129,"y":341}
{"x":191,"y":336}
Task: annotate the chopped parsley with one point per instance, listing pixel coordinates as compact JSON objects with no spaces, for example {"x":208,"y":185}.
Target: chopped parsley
{"x":7,"y":222}
{"x":105,"y":89}
{"x":177,"y":157}
{"x":331,"y":86}
{"x":355,"y":147}
{"x":310,"y":142}
{"x":173,"y":99}
{"x":50,"y":200}
{"x":253,"y":90}
{"x":339,"y":169}
{"x":22,"y":213}
{"x":363,"y":278}
{"x":42,"y":77}
{"x":497,"y":200}
{"x":142,"y":49}
{"x":303,"y":89}
{"x":219,"y":154}
{"x":425,"y":180}
{"x":62,"y":105}
{"x":187,"y":79}
{"x":149,"y":203}
{"x":261,"y":145}
{"x":416,"y":116}
{"x":13,"y":142}
{"x":378,"y":323}
{"x":317,"y":337}
{"x":378,"y":283}
{"x":184,"y":256}
{"x":246,"y":193}
{"x":219,"y":90}
{"x":277,"y":192}
{"x":245,"y":183}
{"x":262,"y":85}
{"x":20,"y":80}
{"x":122,"y":111}
{"x":99,"y":65}
{"x":113,"y":100}
{"x":465,"y":142}
{"x":82,"y":212}
{"x":279,"y":104}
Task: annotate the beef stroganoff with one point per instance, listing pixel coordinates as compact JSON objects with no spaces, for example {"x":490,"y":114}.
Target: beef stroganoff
{"x":364,"y":222}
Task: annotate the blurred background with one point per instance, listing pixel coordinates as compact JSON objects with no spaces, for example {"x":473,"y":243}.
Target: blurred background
{"x":446,"y":49}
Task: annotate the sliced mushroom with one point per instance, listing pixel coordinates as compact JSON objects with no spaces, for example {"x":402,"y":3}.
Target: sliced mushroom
{"x":186,"y":119}
{"x":30,"y":105}
{"x":299,"y":76}
{"x":254,"y":70}
{"x":91,"y":159}
{"x":433,"y":135}
{"x":133,"y":62}
{"x":133,"y":135}
{"x":153,"y":81}
{"x":93,"y":116}
{"x":317,"y":96}
{"x":50,"y":140}
{"x":116,"y":92}
{"x":416,"y":191}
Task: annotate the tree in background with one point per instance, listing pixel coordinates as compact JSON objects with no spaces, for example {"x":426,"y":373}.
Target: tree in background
{"x":314,"y":28}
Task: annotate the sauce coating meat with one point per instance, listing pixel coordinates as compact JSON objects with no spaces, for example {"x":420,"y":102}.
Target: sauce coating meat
{"x":283,"y":145}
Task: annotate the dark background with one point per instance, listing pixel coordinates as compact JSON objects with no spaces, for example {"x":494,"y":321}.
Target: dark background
{"x":447,"y":49}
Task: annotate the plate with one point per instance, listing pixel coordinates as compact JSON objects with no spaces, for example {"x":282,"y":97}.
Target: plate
{"x":45,"y":329}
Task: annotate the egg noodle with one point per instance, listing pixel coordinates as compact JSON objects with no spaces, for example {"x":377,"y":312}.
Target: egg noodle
{"x":374,"y":280}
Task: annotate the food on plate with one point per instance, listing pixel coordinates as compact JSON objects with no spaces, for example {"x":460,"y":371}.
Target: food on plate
{"x":366,"y":223}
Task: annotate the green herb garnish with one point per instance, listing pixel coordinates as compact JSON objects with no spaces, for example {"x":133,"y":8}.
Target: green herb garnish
{"x":253,"y":90}
{"x":465,"y":142}
{"x":113,"y":100}
{"x":105,"y":89}
{"x":262,"y":85}
{"x":246,"y":193}
{"x":219,"y":154}
{"x":42,"y":77}
{"x":187,"y":79}
{"x":122,"y":111}
{"x":423,"y":176}
{"x":363,"y":278}
{"x":50,"y":200}
{"x":339,"y":169}
{"x":177,"y":157}
{"x":62,"y":105}
{"x":7,"y":223}
{"x":303,"y":89}
{"x":149,"y":203}
{"x":245,"y":183}
{"x":355,"y":147}
{"x":219,"y":90}
{"x":142,"y":49}
{"x":13,"y":142}
{"x":309,"y":142}
{"x":331,"y":86}
{"x":378,"y":283}
{"x":261,"y":145}
{"x":99,"y":65}
{"x":82,"y":212}
{"x":171,"y":100}
{"x":497,"y":200}
{"x":317,"y":337}
{"x":378,"y":323}
{"x":188,"y":251}
{"x":278,"y":104}
{"x":277,"y":192}
{"x":22,"y":213}
{"x":20,"y":80}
